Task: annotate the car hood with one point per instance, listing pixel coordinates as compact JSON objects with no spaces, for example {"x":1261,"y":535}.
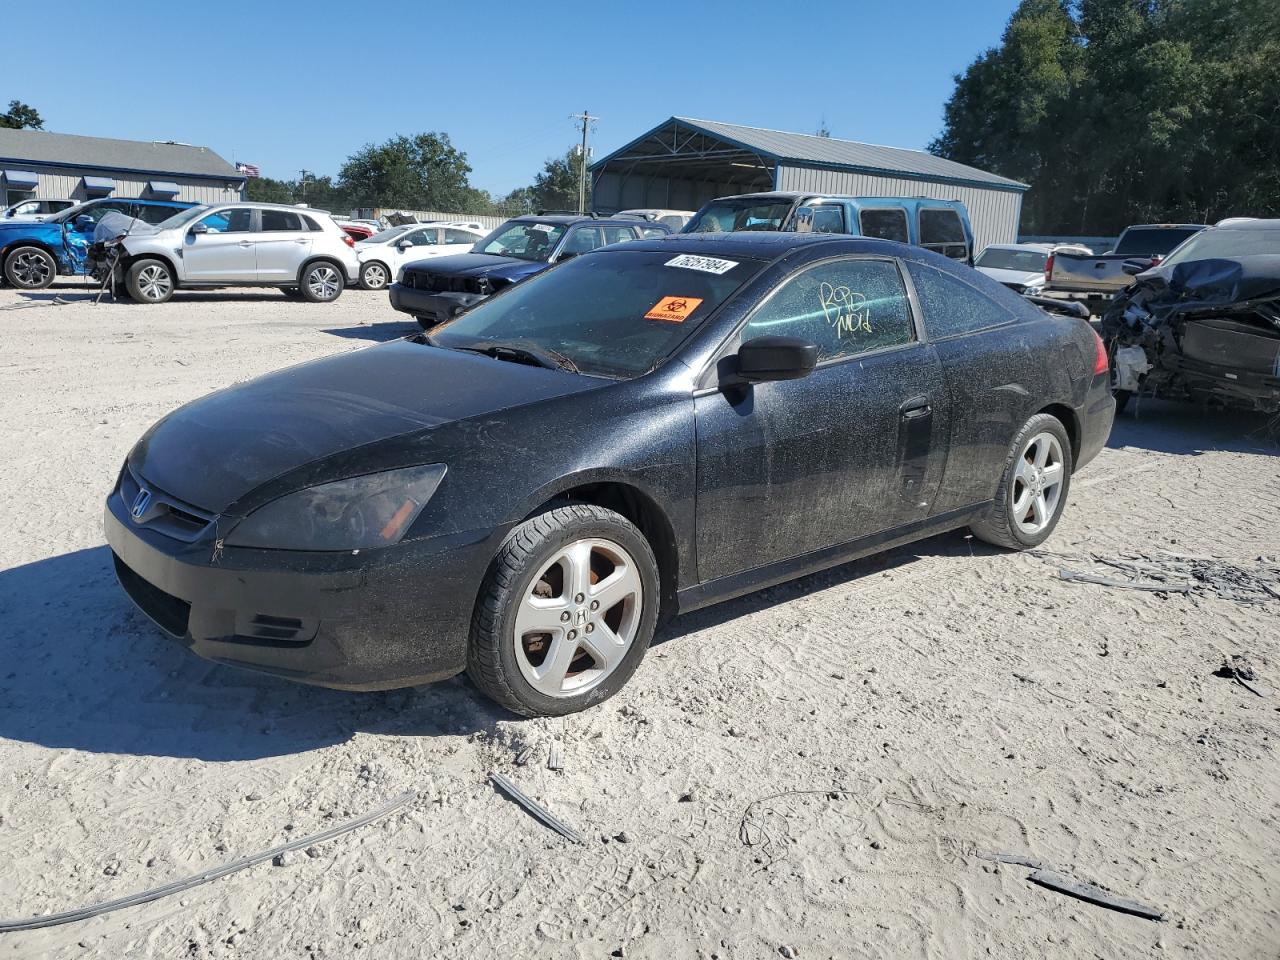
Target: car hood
{"x":1020,"y":277}
{"x":216,"y":450}
{"x":480,"y":265}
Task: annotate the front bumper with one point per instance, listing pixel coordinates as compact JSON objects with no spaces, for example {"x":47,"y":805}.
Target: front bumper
{"x":431,"y":306}
{"x":368,"y":620}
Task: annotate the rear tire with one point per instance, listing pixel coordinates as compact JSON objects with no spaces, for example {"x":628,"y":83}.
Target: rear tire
{"x":589,"y":577}
{"x":1033,"y":487}
{"x":30,"y":268}
{"x":321,"y":282}
{"x":149,"y":281}
{"x":374,"y":276}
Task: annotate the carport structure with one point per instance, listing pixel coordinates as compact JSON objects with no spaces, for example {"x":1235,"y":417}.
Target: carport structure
{"x":682,"y":163}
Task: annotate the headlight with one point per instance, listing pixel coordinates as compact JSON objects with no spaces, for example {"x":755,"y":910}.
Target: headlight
{"x":370,"y":511}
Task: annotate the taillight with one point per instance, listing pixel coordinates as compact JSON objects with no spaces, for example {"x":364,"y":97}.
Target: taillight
{"x":346,"y":238}
{"x":1048,"y":268}
{"x":1101,"y":363}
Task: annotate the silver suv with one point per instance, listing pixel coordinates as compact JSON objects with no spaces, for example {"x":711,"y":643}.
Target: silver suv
{"x":301,"y":251}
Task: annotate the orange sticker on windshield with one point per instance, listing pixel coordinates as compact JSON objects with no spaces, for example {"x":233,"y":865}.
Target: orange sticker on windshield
{"x":673,"y":309}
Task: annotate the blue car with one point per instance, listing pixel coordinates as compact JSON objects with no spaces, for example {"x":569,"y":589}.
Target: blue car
{"x":32,"y":254}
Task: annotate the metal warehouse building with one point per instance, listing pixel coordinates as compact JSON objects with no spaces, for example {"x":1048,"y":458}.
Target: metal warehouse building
{"x":682,"y":163}
{"x":60,"y":165}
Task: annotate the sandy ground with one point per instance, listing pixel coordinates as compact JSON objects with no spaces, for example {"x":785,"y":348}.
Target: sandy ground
{"x":924,"y":706}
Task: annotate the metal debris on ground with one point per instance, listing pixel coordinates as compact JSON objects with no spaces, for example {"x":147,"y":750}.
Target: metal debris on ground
{"x":1012,"y":858}
{"x":535,"y":809}
{"x":1092,"y":894}
{"x":1239,"y":669}
{"x":177,"y":886}
{"x":1256,"y":582}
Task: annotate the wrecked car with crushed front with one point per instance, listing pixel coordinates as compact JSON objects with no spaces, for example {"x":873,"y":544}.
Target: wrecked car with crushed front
{"x":1205,"y":324}
{"x":646,"y":429}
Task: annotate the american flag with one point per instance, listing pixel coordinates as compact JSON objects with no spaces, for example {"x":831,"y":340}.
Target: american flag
{"x":248,"y":169}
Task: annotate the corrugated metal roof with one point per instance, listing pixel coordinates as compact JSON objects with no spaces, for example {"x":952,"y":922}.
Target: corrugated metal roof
{"x":802,"y":148}
{"x":37,"y":146}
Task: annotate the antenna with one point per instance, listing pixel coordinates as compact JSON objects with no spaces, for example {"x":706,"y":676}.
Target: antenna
{"x":586,"y":120}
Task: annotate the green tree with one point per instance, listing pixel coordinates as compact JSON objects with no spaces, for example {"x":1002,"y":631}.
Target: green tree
{"x":269,"y":190}
{"x":20,"y":116}
{"x":423,"y":172}
{"x":1122,"y":111}
{"x":555,"y":187}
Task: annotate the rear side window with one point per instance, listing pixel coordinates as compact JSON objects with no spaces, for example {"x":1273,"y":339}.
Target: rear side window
{"x":583,"y":240}
{"x":942,"y":232}
{"x":281,"y":220}
{"x":309,"y":224}
{"x":845,"y":307}
{"x":950,"y":306}
{"x":150,"y":213}
{"x":884,"y":224}
{"x":1152,"y":241}
{"x":618,"y":234}
{"x":458,"y":236}
{"x":652,"y":233}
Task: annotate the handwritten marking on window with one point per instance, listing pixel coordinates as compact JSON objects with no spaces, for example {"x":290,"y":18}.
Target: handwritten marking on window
{"x":845,"y":310}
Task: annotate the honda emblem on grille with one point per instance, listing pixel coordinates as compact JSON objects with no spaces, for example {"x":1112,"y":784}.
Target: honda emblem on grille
{"x":140,"y":504}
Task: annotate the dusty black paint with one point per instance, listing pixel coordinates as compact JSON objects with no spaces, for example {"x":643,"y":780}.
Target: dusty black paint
{"x":752,"y":483}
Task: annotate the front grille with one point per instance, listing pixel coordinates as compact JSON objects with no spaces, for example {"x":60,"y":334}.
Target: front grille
{"x":440,"y":283}
{"x":164,"y":514}
{"x":169,"y":612}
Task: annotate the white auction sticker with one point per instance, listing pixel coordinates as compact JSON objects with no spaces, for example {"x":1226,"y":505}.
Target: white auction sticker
{"x":544,"y":227}
{"x":691,"y":261}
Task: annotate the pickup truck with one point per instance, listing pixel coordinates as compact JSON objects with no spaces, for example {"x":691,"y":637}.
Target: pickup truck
{"x":1101,"y":276}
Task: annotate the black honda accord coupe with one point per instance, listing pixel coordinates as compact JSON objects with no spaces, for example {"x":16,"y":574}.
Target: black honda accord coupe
{"x":526,"y":490}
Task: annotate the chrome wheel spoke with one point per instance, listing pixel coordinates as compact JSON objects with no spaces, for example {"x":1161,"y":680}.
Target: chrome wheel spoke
{"x":1037,"y":484}
{"x":1052,"y":475}
{"x":605,"y":647}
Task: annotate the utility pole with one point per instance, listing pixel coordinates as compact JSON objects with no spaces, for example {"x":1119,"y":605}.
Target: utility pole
{"x":585,"y":119}
{"x":305,"y":174}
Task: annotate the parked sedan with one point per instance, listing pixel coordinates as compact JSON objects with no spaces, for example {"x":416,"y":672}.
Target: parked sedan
{"x":523,"y":492}
{"x":383,"y":254}
{"x":1021,"y":266}
{"x":35,"y":210}
{"x":437,"y":290}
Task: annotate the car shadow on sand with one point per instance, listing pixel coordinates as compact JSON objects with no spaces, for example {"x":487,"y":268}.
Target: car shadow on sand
{"x":377,"y":332}
{"x":1164,"y":426}
{"x":82,"y":669}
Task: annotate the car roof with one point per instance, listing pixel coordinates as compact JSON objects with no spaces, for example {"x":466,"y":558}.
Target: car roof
{"x":1243,"y":224}
{"x":762,"y":244}
{"x":1038,"y":247}
{"x":568,"y":218}
{"x":1165,"y":226}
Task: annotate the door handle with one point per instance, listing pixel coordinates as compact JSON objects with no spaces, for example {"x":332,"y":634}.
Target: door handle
{"x":915,"y":407}
{"x":301,"y":240}
{"x":246,"y":243}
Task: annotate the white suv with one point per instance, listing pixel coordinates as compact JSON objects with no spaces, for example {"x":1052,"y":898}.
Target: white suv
{"x":303,"y":252}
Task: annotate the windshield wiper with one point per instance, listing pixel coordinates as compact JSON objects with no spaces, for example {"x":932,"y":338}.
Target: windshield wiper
{"x":519,"y":353}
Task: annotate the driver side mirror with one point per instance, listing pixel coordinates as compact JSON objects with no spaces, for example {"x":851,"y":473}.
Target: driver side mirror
{"x":199,"y":228}
{"x":1137,"y":265}
{"x":776,"y":358}
{"x":404,"y":245}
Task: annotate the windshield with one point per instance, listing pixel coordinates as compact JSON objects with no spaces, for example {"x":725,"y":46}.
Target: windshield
{"x":523,"y":240}
{"x":386,"y":236}
{"x":1212,"y":244}
{"x":726,"y":216}
{"x":613,"y":314}
{"x":1027,"y":261}
{"x":1152,"y":241}
{"x":182,"y":217}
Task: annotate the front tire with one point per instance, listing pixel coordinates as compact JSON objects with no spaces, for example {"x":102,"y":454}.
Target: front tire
{"x":1033,"y":488}
{"x":374,"y":276}
{"x":566,"y":612}
{"x":321,"y":282}
{"x":30,"y":268}
{"x":149,"y":281}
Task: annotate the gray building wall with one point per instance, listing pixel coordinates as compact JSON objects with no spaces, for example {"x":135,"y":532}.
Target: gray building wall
{"x":618,"y":191}
{"x":58,"y":182}
{"x":994,"y":214}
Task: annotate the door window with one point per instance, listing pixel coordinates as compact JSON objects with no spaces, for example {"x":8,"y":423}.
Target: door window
{"x":950,"y":306}
{"x":154,"y":213}
{"x":828,"y":218}
{"x":421,"y":238}
{"x":619,"y":234}
{"x":30,"y":207}
{"x":942,"y":232}
{"x":583,"y":240}
{"x":884,"y":224}
{"x":845,"y":307}
{"x":229,"y":221}
{"x":459,"y":236}
{"x":99,"y":210}
{"x":280,"y":220}
{"x":652,"y":233}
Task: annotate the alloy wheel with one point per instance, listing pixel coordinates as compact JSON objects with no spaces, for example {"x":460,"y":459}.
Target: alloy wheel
{"x":31,"y":269}
{"x":1037,"y":483}
{"x":375,"y":276}
{"x":324,"y":283}
{"x":578,"y":618}
{"x":154,"y":282}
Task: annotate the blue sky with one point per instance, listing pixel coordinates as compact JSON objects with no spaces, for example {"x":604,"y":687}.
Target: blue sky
{"x":289,"y":86}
